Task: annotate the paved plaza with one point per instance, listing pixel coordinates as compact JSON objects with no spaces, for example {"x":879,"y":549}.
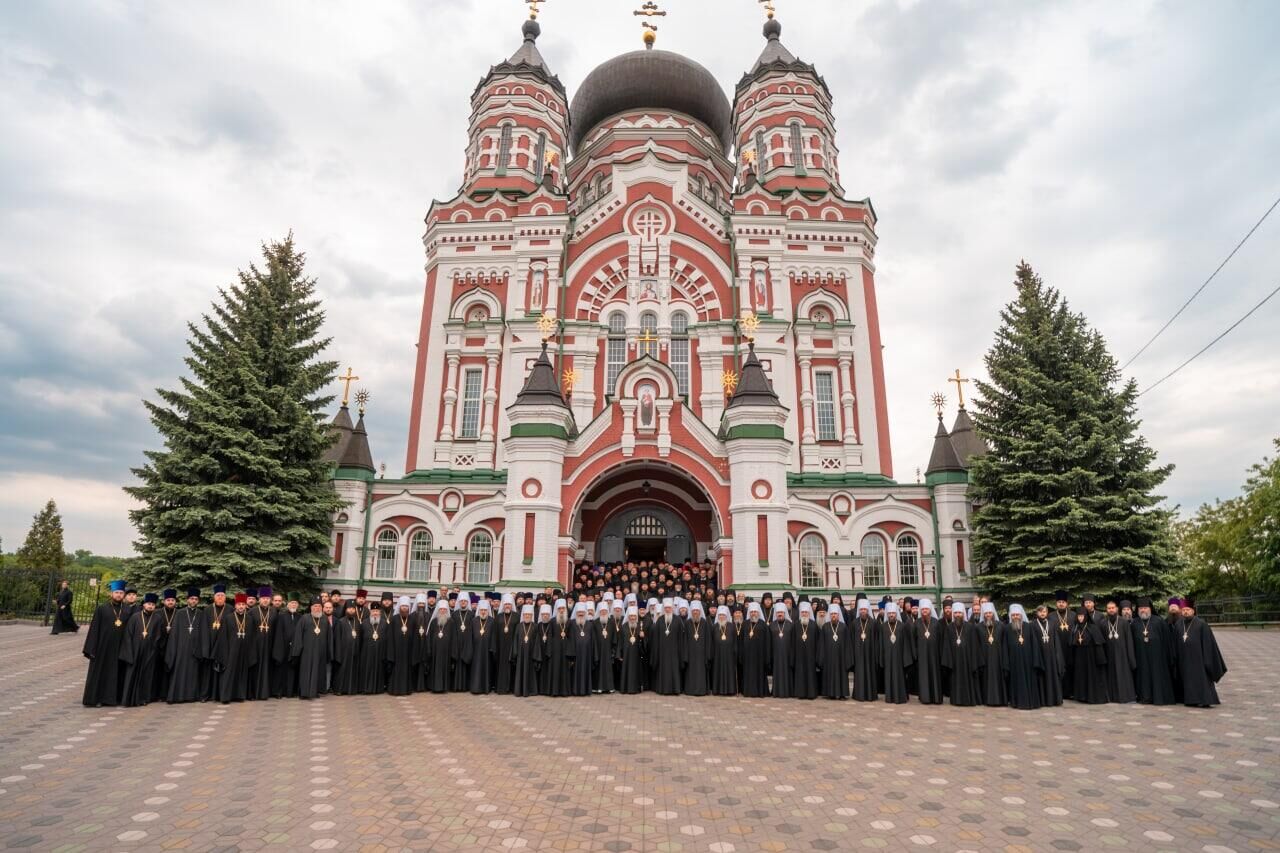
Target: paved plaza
{"x":461,"y":772}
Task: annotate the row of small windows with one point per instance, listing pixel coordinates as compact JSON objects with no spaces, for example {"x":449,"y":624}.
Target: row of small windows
{"x":615,"y":354}
{"x":479,"y":556}
{"x":813,"y":561}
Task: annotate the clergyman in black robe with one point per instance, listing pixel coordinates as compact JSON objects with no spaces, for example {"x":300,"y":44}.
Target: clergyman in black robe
{"x":346,"y":652}
{"x":697,"y":652}
{"x":1088,"y":661}
{"x":666,"y":641}
{"x":865,"y":636}
{"x":804,"y":653}
{"x":262,"y":624}
{"x":312,"y":648}
{"x":630,"y":654}
{"x":606,"y":637}
{"x":139,"y":650}
{"x":1121,"y":657}
{"x":219,"y":624}
{"x":400,"y":650}
{"x":484,"y":649}
{"x":753,"y":653}
{"x":724,"y":654}
{"x":1156,"y":656}
{"x":1200,"y":663}
{"x":781,"y":653}
{"x":64,"y":621}
{"x":441,"y":649}
{"x":524,"y":661}
{"x":993,"y":668}
{"x":104,"y":681}
{"x":556,"y":661}
{"x":927,"y":635}
{"x":896,"y":654}
{"x":186,"y":651}
{"x":583,"y":649}
{"x":504,"y":665}
{"x":960,"y":654}
{"x":836,"y":655}
{"x":1053,"y":646}
{"x":1024,"y":660}
{"x":233,"y":650}
{"x":374,"y":640}
{"x":463,"y":618}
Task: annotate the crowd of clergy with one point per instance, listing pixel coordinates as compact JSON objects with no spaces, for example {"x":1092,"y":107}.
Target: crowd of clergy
{"x":257,"y":646}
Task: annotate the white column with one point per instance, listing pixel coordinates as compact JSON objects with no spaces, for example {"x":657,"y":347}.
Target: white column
{"x":450,"y":396}
{"x":846,"y":398}
{"x":807,"y":435}
{"x":490,"y":397}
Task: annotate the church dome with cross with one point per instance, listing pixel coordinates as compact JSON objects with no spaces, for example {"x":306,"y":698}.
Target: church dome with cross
{"x":650,"y":334}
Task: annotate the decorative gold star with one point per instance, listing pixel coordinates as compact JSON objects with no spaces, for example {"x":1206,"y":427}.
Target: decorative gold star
{"x":547,"y":325}
{"x":362,"y":399}
{"x":729,"y":380}
{"x":939,"y":402}
{"x":570,"y":377}
{"x":750,"y":323}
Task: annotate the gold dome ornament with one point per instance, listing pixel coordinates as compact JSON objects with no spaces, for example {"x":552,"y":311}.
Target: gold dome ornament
{"x":547,"y":325}
{"x":362,"y":399}
{"x":649,"y":33}
{"x":729,"y":381}
{"x":939,"y":402}
{"x":750,"y":324}
{"x":570,"y":377}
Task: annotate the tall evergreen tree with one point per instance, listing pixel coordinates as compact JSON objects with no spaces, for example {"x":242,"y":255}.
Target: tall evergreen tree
{"x":240,"y":494}
{"x":1066,"y":495}
{"x":42,"y":548}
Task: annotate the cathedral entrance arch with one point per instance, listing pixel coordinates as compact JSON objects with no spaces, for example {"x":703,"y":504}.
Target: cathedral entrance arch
{"x":646,"y":510}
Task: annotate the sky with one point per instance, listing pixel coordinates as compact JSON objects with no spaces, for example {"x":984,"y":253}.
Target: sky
{"x":149,"y":147}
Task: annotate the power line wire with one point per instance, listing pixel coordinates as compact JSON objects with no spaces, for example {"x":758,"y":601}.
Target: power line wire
{"x":1178,"y":313}
{"x":1203,"y":349}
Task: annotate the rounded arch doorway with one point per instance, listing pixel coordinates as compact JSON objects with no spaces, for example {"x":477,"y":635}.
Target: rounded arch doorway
{"x":645,"y":533}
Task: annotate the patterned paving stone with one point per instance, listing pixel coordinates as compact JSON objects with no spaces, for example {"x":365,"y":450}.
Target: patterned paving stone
{"x":711,"y":775}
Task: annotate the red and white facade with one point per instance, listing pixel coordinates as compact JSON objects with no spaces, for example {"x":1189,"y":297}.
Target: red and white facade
{"x":648,"y":235}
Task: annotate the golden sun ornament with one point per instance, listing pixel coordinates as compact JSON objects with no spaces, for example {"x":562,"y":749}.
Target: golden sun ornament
{"x":729,"y":380}
{"x":939,"y":402}
{"x":547,"y":325}
{"x":750,"y":323}
{"x":362,"y":399}
{"x":570,"y":377}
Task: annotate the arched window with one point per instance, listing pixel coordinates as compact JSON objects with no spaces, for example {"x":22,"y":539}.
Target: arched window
{"x":648,"y":342}
{"x":539,"y":161}
{"x":813,"y":560}
{"x":679,"y":351}
{"x":615,"y":354}
{"x":420,"y":556}
{"x":797,"y":149}
{"x":872,"y":560}
{"x":908,"y":560}
{"x":700,"y":187}
{"x":384,"y":567}
{"x":479,"y":557}
{"x":504,"y":149}
{"x":646,"y":525}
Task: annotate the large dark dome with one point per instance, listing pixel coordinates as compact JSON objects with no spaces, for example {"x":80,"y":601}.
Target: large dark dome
{"x":650,"y":79}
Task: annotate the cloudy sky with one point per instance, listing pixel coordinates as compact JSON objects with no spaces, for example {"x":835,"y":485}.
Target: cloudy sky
{"x":149,"y":146}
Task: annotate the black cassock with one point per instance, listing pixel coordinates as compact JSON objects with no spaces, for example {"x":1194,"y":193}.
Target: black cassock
{"x":1154,"y":651}
{"x":64,"y":621}
{"x":631,"y":663}
{"x":555,"y":660}
{"x":993,"y":667}
{"x":186,"y":652}
{"x":896,"y":655}
{"x":1024,"y":658}
{"x":724,"y":659}
{"x":804,"y":659}
{"x":372,"y":663}
{"x":927,"y":637}
{"x":697,"y":657}
{"x":1121,"y":659}
{"x":960,"y":655}
{"x":346,"y":657}
{"x":284,"y":670}
{"x":232,"y":656}
{"x":524,"y":659}
{"x":835,"y":657}
{"x":503,"y":672}
{"x":104,"y":682}
{"x":1062,"y":622}
{"x":607,"y":636}
{"x":312,"y":648}
{"x":441,"y":654}
{"x":1088,"y":663}
{"x":419,"y":619}
{"x":484,"y":649}
{"x":865,"y":636}
{"x":262,"y":623}
{"x":1052,"y":644}
{"x":160,"y":684}
{"x":666,"y":640}
{"x":400,"y":655}
{"x":782,"y":658}
{"x":140,"y":650}
{"x":1200,"y":663}
{"x":753,"y":652}
{"x":583,"y":649}
{"x":462,"y":623}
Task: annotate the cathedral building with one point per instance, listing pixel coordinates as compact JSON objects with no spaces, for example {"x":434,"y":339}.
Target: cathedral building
{"x":649,"y":332}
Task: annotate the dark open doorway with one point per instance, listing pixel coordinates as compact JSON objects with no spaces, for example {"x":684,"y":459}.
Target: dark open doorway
{"x":652,"y":550}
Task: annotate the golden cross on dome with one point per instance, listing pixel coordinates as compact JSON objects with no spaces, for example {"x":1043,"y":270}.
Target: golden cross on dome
{"x":958,"y":380}
{"x":768,"y":7}
{"x":649,"y":10}
{"x":533,"y":8}
{"x":346,"y":387}
{"x":729,"y":380}
{"x":939,"y":402}
{"x":547,"y":325}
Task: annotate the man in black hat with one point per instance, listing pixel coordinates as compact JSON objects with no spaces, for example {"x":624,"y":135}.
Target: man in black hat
{"x":186,"y":652}
{"x":1200,"y":663}
{"x":284,"y":667}
{"x":1121,"y":660}
{"x":262,"y":621}
{"x":166,"y":612}
{"x":313,"y":649}
{"x":131,"y":601}
{"x":1154,"y":653}
{"x":138,"y":652}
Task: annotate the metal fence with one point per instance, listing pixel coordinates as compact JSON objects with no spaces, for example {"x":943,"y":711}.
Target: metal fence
{"x":1248,"y":610}
{"x":28,"y":594}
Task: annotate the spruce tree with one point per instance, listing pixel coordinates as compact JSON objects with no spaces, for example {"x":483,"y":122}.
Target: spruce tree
{"x":42,"y":548}
{"x":1066,"y":495}
{"x":240,"y":493}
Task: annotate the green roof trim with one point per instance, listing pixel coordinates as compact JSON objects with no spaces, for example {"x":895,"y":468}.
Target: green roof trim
{"x":539,"y":431}
{"x":771,"y":431}
{"x":448,"y":475}
{"x":341,"y":473}
{"x":837,"y":480}
{"x":938,"y":478}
